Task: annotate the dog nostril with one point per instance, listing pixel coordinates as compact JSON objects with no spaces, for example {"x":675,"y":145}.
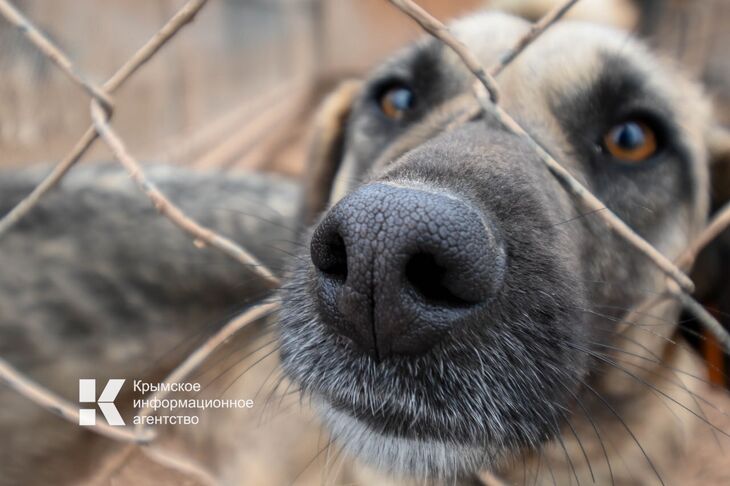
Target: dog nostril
{"x":330,"y":256}
{"x":396,"y":269}
{"x":426,"y":276}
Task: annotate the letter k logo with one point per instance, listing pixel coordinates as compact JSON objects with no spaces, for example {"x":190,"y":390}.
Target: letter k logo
{"x":87,"y":394}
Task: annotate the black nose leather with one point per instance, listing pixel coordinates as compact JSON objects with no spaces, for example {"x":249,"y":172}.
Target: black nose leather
{"x":398,"y":268}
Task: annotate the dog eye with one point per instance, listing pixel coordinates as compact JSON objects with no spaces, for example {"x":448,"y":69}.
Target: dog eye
{"x":395,"y":101}
{"x":631,"y":141}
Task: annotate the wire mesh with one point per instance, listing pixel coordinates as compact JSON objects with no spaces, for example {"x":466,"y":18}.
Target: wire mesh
{"x":486,"y":91}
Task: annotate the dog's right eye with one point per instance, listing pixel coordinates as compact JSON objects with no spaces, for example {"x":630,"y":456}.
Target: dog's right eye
{"x":395,"y":101}
{"x":631,"y":141}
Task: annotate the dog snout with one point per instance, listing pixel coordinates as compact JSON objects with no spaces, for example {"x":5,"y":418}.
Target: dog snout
{"x":397,"y":268}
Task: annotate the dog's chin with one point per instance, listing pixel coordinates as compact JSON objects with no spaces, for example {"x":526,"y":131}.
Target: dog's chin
{"x":400,"y":456}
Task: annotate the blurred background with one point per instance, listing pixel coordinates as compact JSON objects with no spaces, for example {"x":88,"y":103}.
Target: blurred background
{"x":214,"y":95}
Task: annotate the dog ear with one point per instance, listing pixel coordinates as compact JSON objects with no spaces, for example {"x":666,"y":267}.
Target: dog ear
{"x":326,"y":149}
{"x":719,"y":150}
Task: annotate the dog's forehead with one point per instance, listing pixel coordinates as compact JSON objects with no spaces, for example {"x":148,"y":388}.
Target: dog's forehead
{"x":489,"y":34}
{"x":569,"y":54}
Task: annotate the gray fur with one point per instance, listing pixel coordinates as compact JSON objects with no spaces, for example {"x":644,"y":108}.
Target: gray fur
{"x":96,"y":284}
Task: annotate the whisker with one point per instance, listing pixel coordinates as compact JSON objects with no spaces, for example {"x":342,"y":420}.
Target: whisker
{"x":267,"y":355}
{"x":540,"y":453}
{"x":671,"y":341}
{"x":595,"y":429}
{"x":524,"y":468}
{"x":258,"y":217}
{"x":268,"y":376}
{"x":272,"y":392}
{"x":235,"y":363}
{"x":612,"y":363}
{"x":695,"y":397}
{"x":655,"y":360}
{"x":550,"y":469}
{"x":309,"y":464}
{"x":567,"y":455}
{"x":233,"y":350}
{"x":628,"y":429}
{"x":283,"y":395}
{"x":570,"y":220}
{"x":280,"y":413}
{"x":197,"y":333}
{"x":580,"y":444}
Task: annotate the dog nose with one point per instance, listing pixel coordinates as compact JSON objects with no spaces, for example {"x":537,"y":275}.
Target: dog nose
{"x":398,"y":268}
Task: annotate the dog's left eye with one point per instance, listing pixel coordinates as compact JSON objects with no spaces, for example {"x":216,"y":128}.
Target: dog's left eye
{"x":631,"y":141}
{"x":395,"y":101}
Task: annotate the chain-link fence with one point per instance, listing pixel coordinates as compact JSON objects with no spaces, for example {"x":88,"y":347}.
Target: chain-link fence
{"x":487,"y":101}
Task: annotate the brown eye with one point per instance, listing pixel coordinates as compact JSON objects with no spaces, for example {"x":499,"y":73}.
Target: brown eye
{"x":631,"y":141}
{"x":396,"y":101}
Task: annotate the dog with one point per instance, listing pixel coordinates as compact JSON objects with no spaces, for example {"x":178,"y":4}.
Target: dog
{"x":453,"y":312}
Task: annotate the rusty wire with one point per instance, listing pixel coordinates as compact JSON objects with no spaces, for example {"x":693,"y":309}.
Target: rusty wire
{"x":678,"y":285}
